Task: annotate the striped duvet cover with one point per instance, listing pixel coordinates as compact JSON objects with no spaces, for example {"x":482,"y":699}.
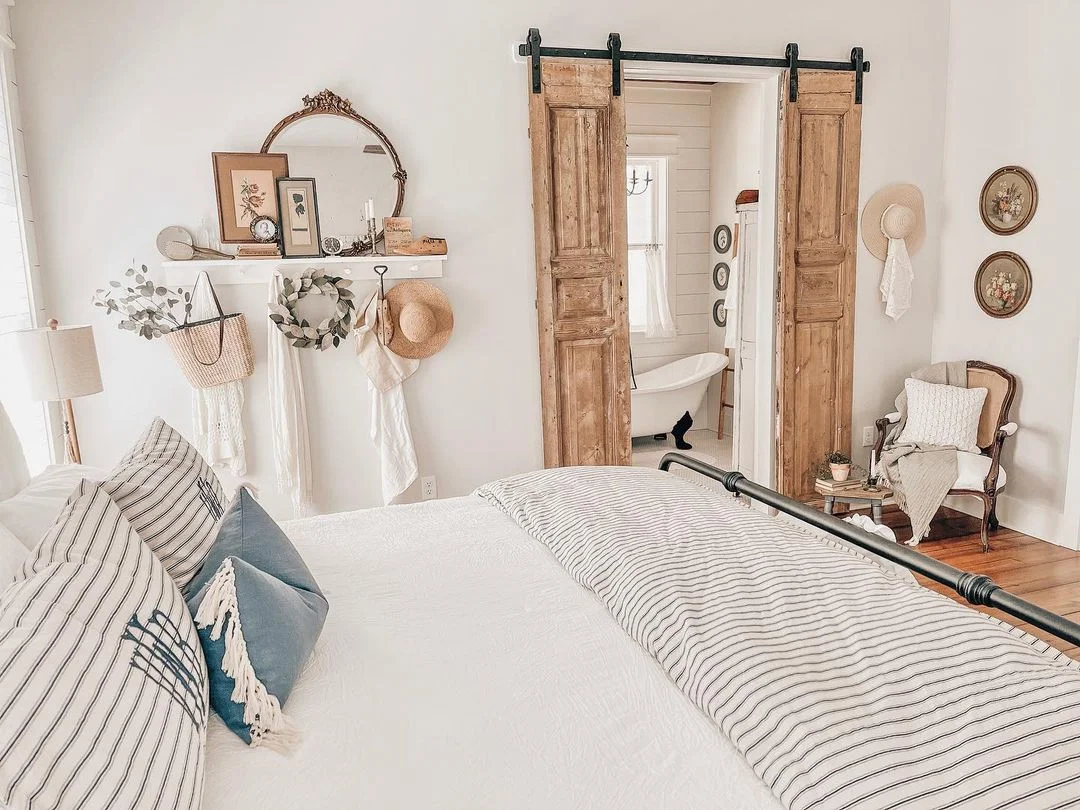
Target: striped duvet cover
{"x":843,"y":686}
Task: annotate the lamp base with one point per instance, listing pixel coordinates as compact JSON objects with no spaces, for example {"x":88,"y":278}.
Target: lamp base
{"x":72,"y":455}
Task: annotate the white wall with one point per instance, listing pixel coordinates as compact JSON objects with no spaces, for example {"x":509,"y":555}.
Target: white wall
{"x":1011,"y":80}
{"x":124,"y":101}
{"x":682,"y":111}
{"x":736,"y":165}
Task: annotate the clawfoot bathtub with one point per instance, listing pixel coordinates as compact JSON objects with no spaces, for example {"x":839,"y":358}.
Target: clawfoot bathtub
{"x":666,"y":393}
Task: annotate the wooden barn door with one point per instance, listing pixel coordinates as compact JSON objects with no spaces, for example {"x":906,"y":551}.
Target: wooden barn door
{"x":578,"y":132}
{"x":819,"y":191}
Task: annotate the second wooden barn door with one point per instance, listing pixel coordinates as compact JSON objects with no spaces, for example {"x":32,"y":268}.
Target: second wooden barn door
{"x":816,"y":314}
{"x":578,"y":132}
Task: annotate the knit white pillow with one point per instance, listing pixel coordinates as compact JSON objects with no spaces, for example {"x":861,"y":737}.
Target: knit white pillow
{"x":942,"y":415}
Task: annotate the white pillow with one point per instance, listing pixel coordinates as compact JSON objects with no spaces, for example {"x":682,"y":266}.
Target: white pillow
{"x":942,"y":415}
{"x":12,"y":555}
{"x":33,"y":511}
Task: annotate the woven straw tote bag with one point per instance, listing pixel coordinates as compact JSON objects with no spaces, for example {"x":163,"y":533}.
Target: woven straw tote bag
{"x":214,"y":351}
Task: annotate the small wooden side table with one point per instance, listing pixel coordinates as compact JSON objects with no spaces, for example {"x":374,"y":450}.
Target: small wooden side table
{"x":859,"y":495}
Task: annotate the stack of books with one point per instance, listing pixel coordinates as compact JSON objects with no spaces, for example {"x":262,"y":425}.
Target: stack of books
{"x":830,"y":486}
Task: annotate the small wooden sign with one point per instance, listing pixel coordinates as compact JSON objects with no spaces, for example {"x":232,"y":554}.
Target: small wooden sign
{"x":397,"y":232}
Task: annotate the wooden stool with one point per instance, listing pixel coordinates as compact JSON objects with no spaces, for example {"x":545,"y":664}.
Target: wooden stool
{"x":859,"y":495}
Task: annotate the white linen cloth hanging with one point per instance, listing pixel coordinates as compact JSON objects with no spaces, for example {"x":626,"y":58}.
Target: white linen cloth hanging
{"x":288,"y":414}
{"x":731,"y":304}
{"x":897,"y":276}
{"x":217,"y":412}
{"x":390,"y":432}
{"x":658,"y":320}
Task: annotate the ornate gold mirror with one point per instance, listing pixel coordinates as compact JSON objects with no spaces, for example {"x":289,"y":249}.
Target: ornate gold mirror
{"x":350,"y":158}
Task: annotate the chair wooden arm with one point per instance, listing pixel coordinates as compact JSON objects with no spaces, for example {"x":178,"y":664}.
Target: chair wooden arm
{"x":990,"y":484}
{"x":882,"y":426}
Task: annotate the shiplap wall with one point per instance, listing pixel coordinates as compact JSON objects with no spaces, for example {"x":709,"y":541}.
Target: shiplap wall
{"x":683,"y":110}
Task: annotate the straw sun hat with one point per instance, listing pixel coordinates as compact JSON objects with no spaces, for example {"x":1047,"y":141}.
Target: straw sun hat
{"x":422,"y":319}
{"x":897,"y":211}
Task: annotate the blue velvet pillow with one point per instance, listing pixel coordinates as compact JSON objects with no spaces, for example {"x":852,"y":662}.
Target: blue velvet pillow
{"x":259,"y":613}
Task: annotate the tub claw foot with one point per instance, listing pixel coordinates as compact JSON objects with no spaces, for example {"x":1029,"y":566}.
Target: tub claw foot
{"x":679,"y":431}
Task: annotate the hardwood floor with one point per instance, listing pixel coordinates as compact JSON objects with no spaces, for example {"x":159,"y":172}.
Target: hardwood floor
{"x":1040,"y":572}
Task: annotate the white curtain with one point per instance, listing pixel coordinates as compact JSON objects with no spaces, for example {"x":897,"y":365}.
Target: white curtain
{"x":658,"y":320}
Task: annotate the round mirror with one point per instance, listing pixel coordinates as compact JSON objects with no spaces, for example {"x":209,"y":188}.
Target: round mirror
{"x":350,"y":158}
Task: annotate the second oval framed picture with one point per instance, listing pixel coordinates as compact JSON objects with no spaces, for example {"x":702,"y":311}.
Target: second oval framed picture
{"x":1003,"y":284}
{"x":1008,"y":200}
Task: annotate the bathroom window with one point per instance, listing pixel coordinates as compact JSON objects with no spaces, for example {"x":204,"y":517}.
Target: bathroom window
{"x":647,"y":215}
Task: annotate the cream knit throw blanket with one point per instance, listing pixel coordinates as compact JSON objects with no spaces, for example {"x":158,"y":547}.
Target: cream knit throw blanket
{"x":921,"y":475}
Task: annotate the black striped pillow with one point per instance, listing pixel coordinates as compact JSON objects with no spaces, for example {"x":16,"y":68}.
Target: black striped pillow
{"x":171,"y":497}
{"x":103,"y":686}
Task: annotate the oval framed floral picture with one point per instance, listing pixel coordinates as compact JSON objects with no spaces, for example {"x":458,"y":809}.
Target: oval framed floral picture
{"x":1002,"y":284}
{"x":1008,"y":200}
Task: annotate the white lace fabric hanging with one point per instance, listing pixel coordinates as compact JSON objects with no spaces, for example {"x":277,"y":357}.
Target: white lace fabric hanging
{"x":217,"y":413}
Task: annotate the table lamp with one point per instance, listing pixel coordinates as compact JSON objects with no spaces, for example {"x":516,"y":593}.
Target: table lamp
{"x":61,"y":364}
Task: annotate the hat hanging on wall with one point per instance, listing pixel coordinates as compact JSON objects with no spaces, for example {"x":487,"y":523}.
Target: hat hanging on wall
{"x":895,"y":211}
{"x":422,"y":318}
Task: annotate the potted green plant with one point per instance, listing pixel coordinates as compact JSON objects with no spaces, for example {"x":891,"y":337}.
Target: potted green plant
{"x":839,"y":466}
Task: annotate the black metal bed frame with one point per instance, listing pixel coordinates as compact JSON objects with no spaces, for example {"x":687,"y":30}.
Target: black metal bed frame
{"x":978,"y":589}
{"x":790,"y":61}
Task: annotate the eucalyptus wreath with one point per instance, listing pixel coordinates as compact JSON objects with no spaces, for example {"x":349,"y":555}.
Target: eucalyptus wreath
{"x":301,"y":333}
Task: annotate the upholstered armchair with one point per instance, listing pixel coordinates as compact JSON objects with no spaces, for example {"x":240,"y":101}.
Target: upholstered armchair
{"x":978,"y":474}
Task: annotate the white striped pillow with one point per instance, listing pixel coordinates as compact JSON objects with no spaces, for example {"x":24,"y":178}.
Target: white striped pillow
{"x":103,"y":686}
{"x":171,"y":497}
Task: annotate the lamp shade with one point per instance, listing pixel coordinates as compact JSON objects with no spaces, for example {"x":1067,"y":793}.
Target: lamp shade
{"x":60,"y":363}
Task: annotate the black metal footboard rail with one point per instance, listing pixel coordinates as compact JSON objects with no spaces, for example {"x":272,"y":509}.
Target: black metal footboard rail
{"x":978,"y":589}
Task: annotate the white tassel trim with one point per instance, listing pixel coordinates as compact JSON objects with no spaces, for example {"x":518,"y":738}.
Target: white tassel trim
{"x":266,"y":722}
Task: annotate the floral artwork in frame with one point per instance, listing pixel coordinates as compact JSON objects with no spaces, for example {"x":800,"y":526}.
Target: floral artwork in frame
{"x":1008,"y":200}
{"x":1003,"y":284}
{"x":245,"y":185}
{"x":299,"y":217}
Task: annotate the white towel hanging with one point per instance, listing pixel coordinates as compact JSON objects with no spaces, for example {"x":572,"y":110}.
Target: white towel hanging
{"x":390,"y":431}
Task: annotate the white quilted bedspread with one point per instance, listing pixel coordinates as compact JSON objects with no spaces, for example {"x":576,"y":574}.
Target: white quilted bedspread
{"x":460,"y":667}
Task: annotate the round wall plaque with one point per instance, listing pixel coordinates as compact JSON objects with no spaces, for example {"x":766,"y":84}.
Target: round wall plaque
{"x":719,"y":313}
{"x":721,"y":275}
{"x":721,"y":239}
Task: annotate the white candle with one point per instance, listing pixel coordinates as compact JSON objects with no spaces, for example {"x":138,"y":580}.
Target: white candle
{"x":369,"y":209}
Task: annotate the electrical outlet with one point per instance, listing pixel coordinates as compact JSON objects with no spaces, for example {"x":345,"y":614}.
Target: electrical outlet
{"x":868,"y":436}
{"x":428,"y":490}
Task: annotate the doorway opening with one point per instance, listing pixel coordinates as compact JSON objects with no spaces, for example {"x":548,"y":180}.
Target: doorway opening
{"x":701,"y":271}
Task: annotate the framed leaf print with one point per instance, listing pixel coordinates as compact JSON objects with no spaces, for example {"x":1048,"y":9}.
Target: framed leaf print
{"x":299,"y":217}
{"x":245,"y":191}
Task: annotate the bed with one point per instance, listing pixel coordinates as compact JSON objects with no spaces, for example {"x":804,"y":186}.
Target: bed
{"x":462,"y":667}
{"x":631,"y":638}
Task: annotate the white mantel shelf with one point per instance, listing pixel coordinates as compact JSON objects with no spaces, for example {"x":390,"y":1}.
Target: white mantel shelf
{"x":258,"y":271}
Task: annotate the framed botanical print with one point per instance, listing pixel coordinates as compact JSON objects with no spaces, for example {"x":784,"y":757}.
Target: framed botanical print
{"x":1002,"y":284}
{"x":299,"y":217}
{"x":1008,"y":200}
{"x":244,"y":183}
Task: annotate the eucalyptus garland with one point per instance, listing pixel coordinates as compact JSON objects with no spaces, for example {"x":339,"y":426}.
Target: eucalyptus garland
{"x":301,"y":333}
